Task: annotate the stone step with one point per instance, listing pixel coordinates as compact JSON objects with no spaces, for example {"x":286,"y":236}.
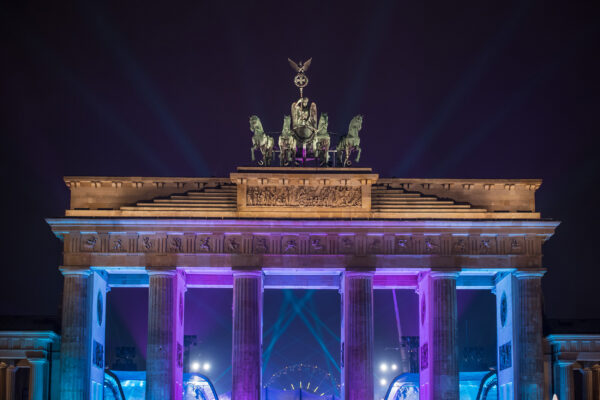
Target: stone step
{"x":387,"y":194}
{"x":422,"y":206}
{"x":183,"y":205}
{"x":419,"y":201}
{"x":430,"y":210}
{"x":199,"y":198}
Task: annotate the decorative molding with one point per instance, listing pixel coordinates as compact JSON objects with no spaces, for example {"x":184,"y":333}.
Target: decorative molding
{"x":304,"y":196}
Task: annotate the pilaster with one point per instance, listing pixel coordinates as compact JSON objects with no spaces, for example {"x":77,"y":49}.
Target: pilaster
{"x":37,"y":378}
{"x":529,"y":355}
{"x":75,"y":358}
{"x":3,"y":380}
{"x":563,"y":380}
{"x":587,"y":387}
{"x":357,"y":335}
{"x":438,"y":336}
{"x":11,"y":374}
{"x":247,"y":335}
{"x":164,"y":363}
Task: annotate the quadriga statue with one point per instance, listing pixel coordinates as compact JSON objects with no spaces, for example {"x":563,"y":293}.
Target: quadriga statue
{"x":261,"y":141}
{"x":322,"y":141}
{"x":287,"y":143}
{"x":350,"y":143}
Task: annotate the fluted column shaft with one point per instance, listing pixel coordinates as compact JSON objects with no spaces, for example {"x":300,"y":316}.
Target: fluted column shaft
{"x":164,"y":361}
{"x":247,"y":335}
{"x":529,"y":353}
{"x":438,"y":336}
{"x":2,"y":381}
{"x":358,"y":335}
{"x":587,"y":384}
{"x":75,"y":341}
{"x":37,"y":378}
{"x":563,"y":380}
{"x":11,"y":374}
{"x":596,"y":382}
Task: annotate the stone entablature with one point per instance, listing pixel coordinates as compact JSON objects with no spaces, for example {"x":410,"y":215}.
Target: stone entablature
{"x":574,"y":347}
{"x":273,"y":244}
{"x":303,"y":193}
{"x":24,"y":344}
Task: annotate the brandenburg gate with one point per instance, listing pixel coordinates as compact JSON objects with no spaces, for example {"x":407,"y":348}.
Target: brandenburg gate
{"x":301,"y":227}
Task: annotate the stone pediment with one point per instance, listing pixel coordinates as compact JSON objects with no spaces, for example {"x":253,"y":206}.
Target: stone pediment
{"x":303,"y":193}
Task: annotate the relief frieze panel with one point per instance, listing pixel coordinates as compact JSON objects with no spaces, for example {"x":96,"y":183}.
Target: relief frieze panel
{"x":232,"y":244}
{"x":304,"y":196}
{"x":176,"y":244}
{"x":90,"y":242}
{"x":347,"y":244}
{"x":290,"y":245}
{"x":147,"y":243}
{"x":404,"y":244}
{"x":303,"y":243}
{"x":318,"y":244}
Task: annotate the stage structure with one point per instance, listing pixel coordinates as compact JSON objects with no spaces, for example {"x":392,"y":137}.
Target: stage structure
{"x":302,"y":227}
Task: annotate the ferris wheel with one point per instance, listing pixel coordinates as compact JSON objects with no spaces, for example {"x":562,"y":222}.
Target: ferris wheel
{"x":306,"y":377}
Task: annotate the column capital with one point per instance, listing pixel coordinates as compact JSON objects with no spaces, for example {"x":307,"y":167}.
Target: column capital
{"x":355,"y":273}
{"x":248,"y":273}
{"x":75,"y":270}
{"x":437,"y":274}
{"x":165,"y":271}
{"x":564,"y":363}
{"x":529,"y":274}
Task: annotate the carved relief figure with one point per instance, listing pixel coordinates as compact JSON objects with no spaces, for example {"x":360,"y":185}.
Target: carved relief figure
{"x":303,"y":196}
{"x":350,"y":143}
{"x":176,"y":244}
{"x":204,"y":244}
{"x":261,"y":141}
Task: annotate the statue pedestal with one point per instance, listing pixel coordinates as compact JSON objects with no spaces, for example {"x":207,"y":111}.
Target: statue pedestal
{"x":293,"y":192}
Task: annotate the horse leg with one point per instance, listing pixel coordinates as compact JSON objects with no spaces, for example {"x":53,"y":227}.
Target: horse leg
{"x":252,"y":152}
{"x":358,"y":155}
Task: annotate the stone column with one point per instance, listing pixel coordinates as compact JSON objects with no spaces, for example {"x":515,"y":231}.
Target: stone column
{"x":2,"y":380}
{"x":247,"y":335}
{"x":438,"y":336}
{"x":37,"y":375}
{"x":357,"y":334}
{"x":11,"y":374}
{"x":596,"y":381}
{"x":587,"y":388}
{"x":164,"y":361}
{"x":529,"y":355}
{"x":563,"y":380}
{"x":75,"y":341}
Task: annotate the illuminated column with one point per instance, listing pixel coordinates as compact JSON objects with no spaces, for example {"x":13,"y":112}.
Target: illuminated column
{"x":563,"y":380}
{"x":2,"y":381}
{"x":596,"y":381}
{"x":83,"y":328}
{"x":587,"y":384}
{"x":37,"y":375}
{"x":438,"y":336}
{"x":529,"y":354}
{"x":247,"y":335}
{"x":164,"y":361}
{"x":357,"y":335}
{"x":519,"y":329}
{"x":11,"y":374}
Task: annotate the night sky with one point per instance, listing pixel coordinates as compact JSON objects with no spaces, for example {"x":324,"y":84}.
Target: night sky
{"x":448,"y":90}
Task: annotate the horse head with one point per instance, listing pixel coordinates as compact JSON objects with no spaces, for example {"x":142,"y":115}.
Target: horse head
{"x":256,"y":126}
{"x":355,"y":126}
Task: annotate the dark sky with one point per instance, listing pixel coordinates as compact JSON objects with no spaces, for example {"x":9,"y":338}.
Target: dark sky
{"x":448,"y":89}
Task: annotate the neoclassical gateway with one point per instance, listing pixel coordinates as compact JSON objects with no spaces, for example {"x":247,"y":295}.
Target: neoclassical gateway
{"x":322,"y":228}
